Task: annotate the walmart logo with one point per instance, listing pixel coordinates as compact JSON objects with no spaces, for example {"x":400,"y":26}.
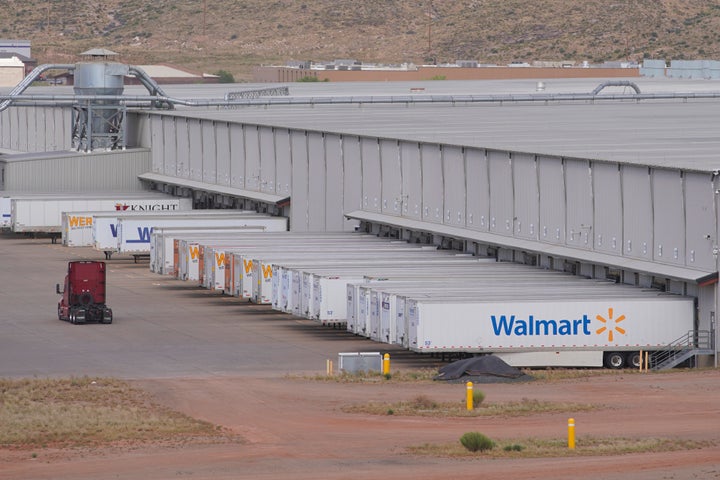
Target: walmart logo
{"x":534,"y":326}
{"x":610,"y":324}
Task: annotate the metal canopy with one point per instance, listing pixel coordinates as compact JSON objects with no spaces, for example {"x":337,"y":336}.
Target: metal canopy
{"x":214,"y":188}
{"x":679,"y":273}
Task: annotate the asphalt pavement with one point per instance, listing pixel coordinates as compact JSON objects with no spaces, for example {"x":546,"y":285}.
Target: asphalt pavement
{"x":162,"y":327}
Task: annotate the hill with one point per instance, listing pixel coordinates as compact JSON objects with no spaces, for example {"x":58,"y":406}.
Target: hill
{"x":234,"y":35}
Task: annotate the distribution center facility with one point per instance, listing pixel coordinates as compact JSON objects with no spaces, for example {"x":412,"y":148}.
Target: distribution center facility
{"x":617,"y":183}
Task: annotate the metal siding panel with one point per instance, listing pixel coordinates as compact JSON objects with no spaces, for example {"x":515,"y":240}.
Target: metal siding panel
{"x":454,"y":186}
{"x":170,"y":156}
{"x":637,"y":212}
{"x":209,"y":152}
{"x":608,"y":224}
{"x":371,"y":174}
{"x":316,"y":181}
{"x":252,"y":157}
{"x":700,"y":221}
{"x":267,"y":160}
{"x":501,"y":192}
{"x":299,"y":205}
{"x":182,"y":142}
{"x":578,"y":188}
{"x":551,"y":186}
{"x":391,"y":175}
{"x":195,"y":139}
{"x":525,"y":196}
{"x":237,"y":155}
{"x":478,"y":189}
{"x":36,"y":141}
{"x":58,"y":124}
{"x":156,"y":142}
{"x":334,"y":219}
{"x":432,"y":183}
{"x":411,"y":180}
{"x":56,"y":128}
{"x":283,"y":162}
{"x":222,"y":136}
{"x":26,"y":122}
{"x":16,"y":128}
{"x":669,"y":217}
{"x":352,"y":177}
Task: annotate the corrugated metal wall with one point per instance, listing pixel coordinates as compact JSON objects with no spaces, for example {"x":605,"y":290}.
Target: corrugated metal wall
{"x":77,"y":172}
{"x":659,"y":215}
{"x":38,"y":129}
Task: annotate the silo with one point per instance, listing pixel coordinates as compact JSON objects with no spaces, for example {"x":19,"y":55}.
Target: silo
{"x":99,"y":123}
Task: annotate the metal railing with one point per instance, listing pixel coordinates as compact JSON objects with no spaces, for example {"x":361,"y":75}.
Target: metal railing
{"x":695,"y":342}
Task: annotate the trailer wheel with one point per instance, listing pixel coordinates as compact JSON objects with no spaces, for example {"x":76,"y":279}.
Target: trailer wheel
{"x":633,"y":359}
{"x":86,"y":298}
{"x":72,"y":318}
{"x":615,"y":360}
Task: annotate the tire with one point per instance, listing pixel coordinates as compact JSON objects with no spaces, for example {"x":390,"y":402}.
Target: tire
{"x":633,"y":360}
{"x":60,"y":317}
{"x":615,"y":360}
{"x":107,"y":316}
{"x":85,"y":299}
{"x":72,"y":318}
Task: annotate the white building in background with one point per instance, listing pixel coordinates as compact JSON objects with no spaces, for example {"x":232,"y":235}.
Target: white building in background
{"x":12,"y":71}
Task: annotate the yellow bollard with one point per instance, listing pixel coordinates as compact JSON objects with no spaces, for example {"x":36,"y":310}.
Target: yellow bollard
{"x":469,"y":395}
{"x":641,"y":361}
{"x":386,"y":364}
{"x":329,"y":367}
{"x":571,"y":433}
{"x":647,"y":361}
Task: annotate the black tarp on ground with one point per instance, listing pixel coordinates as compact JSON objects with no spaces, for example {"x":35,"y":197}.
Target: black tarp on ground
{"x":482,"y":369}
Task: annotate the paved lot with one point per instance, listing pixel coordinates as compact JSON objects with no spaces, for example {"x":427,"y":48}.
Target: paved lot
{"x":162,"y":327}
{"x":218,"y":359}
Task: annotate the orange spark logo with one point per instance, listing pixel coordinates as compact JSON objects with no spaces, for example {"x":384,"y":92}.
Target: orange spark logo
{"x":610,"y":324}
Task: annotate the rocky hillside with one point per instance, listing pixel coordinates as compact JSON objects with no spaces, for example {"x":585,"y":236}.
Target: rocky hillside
{"x":234,"y":35}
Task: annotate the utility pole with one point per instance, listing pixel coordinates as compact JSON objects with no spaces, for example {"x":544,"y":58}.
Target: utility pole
{"x":429,"y":16}
{"x":204,"y":28}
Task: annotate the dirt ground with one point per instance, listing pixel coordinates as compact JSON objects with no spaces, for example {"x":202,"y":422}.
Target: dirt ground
{"x":227,"y":362}
{"x":294,"y":428}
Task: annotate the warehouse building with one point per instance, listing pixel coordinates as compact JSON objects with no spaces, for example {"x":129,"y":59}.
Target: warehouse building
{"x":612,"y":184}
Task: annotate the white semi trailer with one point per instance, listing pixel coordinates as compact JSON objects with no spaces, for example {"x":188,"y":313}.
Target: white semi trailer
{"x":43,"y":214}
{"x":577,"y":330}
{"x":133,"y":234}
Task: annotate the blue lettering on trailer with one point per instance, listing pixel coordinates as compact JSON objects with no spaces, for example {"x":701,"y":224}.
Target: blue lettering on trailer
{"x":113,"y":229}
{"x":510,"y":325}
{"x":143,"y":235}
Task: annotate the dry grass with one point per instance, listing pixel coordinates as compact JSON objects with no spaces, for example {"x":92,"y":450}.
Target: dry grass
{"x":585,"y":446}
{"x":423,"y":406}
{"x":88,"y":412}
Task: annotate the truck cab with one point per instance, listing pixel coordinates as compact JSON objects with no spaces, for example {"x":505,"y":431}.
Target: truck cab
{"x":83,"y":294}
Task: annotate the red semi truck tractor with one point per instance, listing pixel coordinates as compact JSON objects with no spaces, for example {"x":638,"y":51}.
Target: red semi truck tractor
{"x":83,"y":297}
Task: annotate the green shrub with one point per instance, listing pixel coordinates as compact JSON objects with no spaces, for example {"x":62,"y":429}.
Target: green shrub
{"x":477,"y":398}
{"x":476,"y":442}
{"x":514,"y":448}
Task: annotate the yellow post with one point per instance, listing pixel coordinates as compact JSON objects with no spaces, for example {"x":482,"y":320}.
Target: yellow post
{"x":469,"y":395}
{"x":641,"y":361}
{"x":386,"y":364}
{"x":647,"y":360}
{"x":329,"y":367}
{"x":571,"y":433}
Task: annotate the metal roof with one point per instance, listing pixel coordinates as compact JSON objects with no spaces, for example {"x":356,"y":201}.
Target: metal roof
{"x":678,"y":133}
